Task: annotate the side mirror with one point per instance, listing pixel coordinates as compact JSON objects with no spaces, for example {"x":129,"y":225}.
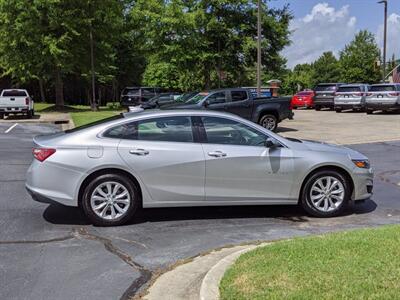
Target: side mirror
{"x":270,"y":143}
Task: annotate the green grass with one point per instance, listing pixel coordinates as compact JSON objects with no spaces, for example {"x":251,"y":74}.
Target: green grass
{"x":361,"y":264}
{"x":81,"y":114}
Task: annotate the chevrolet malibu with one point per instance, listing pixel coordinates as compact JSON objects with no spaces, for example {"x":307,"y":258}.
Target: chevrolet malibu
{"x":191,"y":158}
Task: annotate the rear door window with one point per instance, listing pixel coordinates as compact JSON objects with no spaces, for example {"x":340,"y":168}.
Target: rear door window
{"x":238,"y":95}
{"x":218,"y":97}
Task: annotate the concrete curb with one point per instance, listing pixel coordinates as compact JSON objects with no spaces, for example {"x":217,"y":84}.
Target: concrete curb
{"x":209,"y":289}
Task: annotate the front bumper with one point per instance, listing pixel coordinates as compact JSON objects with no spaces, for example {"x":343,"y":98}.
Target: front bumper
{"x":363,"y":180}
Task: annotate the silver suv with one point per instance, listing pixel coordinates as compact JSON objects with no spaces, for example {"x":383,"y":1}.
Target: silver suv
{"x":385,"y":97}
{"x":351,"y":96}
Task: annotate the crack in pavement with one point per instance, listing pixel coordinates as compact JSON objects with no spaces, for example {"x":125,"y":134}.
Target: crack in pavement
{"x":145,"y":274}
{"x":59,"y":239}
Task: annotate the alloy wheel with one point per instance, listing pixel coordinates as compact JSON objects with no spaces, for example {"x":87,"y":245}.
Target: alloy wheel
{"x":327,"y":194}
{"x":110,"y":200}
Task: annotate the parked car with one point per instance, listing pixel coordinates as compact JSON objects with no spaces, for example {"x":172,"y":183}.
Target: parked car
{"x":160,"y":100}
{"x":266,"y":111}
{"x":180,"y":158}
{"x":385,"y":97}
{"x":303,"y":99}
{"x":132,"y":96}
{"x":16,"y":101}
{"x":351,"y":96}
{"x":325,"y":94}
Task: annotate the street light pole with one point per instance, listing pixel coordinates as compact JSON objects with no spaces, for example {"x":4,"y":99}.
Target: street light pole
{"x":259,"y":48}
{"x":384,"y":38}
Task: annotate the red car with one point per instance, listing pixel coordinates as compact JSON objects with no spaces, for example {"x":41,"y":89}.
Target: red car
{"x":303,"y":99}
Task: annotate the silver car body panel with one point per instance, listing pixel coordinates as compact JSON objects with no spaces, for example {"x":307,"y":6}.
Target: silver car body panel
{"x":183,"y":174}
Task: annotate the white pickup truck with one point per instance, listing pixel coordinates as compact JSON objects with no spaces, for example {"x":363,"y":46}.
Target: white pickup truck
{"x":16,"y":101}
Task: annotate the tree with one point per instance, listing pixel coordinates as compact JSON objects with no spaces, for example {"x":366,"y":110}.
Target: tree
{"x":326,"y":68}
{"x":301,"y":77}
{"x":357,"y":59}
{"x":50,"y":38}
{"x":205,"y":44}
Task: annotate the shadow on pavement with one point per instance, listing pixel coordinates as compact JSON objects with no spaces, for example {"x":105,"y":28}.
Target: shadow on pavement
{"x":66,"y":215}
{"x":285,"y":129}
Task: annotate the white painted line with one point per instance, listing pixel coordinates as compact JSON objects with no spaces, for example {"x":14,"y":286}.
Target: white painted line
{"x":11,"y":128}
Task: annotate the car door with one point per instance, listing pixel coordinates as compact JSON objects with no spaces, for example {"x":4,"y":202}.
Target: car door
{"x":163,"y":153}
{"x":240,"y":168}
{"x":239,"y":104}
{"x":216,"y":101}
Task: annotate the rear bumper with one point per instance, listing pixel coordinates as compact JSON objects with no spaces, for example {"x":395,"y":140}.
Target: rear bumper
{"x":385,"y":106}
{"x":349,"y":106}
{"x":14,"y":110}
{"x":329,"y":102}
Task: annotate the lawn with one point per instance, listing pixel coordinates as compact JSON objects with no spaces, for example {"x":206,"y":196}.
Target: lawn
{"x":360,"y":264}
{"x":81,"y":114}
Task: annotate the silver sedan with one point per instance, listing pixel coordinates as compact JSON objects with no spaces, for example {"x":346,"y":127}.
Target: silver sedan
{"x":191,"y":158}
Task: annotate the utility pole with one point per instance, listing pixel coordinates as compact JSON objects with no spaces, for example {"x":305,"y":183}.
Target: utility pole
{"x":259,"y":48}
{"x":384,"y":38}
{"x":93,"y":102}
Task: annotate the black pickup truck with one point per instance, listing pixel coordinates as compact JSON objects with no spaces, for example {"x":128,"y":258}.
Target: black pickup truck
{"x":266,"y":111}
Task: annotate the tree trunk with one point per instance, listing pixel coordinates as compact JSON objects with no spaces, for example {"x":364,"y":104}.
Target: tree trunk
{"x":59,"y":90}
{"x":41,"y":87}
{"x":207,"y":78}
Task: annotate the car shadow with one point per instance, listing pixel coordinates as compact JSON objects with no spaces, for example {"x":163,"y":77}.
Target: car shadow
{"x":285,"y":129}
{"x":21,"y":117}
{"x":66,"y":215}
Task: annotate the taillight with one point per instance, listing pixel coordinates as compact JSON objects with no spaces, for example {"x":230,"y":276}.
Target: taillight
{"x":41,"y":154}
{"x":394,"y":94}
{"x":27,"y":101}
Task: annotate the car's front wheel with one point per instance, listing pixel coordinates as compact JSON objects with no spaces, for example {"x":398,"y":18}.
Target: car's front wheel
{"x":326,"y":194}
{"x":110,"y":200}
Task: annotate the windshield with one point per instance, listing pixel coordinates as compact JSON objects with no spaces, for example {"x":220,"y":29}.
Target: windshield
{"x":347,"y":89}
{"x":382,"y":88}
{"x":325,"y":87}
{"x":197,"y":99}
{"x":185,"y":97}
{"x":14,"y":93}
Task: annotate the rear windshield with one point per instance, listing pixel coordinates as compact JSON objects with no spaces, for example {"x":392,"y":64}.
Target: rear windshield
{"x":14,"y":93}
{"x":346,"y":89}
{"x":102,"y":121}
{"x":304,"y":93}
{"x":130,"y":91}
{"x":382,"y":88}
{"x":322,"y":88}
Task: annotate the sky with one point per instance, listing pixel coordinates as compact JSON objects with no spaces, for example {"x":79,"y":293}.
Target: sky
{"x":328,"y":25}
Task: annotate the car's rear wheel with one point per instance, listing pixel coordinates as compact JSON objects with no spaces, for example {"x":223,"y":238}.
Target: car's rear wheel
{"x":326,"y":194}
{"x":1,"y":116}
{"x":30,"y":114}
{"x":317,"y":107}
{"x":269,"y":122}
{"x":110,"y":200}
{"x":338,"y":110}
{"x":369,"y":111}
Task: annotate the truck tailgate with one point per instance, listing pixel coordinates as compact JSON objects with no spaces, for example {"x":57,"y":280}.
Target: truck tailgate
{"x":13,"y":102}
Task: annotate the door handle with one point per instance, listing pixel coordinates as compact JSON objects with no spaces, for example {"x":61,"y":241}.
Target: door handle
{"x":217,"y":154}
{"x":140,"y":152}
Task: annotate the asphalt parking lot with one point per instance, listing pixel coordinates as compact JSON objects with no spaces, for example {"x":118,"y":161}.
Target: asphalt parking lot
{"x":51,"y":252}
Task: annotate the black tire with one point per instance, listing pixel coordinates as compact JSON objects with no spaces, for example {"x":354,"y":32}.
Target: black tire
{"x":1,"y":116}
{"x":338,"y":110}
{"x":317,"y":107}
{"x":370,"y":111}
{"x":130,"y":186}
{"x":269,"y":122}
{"x":310,"y":208}
{"x":30,"y":114}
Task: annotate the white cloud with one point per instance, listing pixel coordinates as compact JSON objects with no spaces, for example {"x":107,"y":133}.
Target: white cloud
{"x":323,"y":29}
{"x":393,"y":36}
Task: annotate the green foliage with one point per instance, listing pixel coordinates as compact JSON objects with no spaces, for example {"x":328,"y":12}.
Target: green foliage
{"x":358,"y":58}
{"x":326,"y":68}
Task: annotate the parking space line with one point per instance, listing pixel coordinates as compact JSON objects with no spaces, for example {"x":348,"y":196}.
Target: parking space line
{"x":11,"y":128}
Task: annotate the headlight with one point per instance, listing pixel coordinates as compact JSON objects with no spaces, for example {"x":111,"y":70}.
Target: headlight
{"x":362,"y":163}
